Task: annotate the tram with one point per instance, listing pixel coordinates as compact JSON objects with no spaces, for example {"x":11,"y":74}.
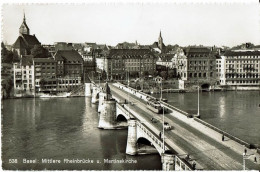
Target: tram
{"x":154,"y":106}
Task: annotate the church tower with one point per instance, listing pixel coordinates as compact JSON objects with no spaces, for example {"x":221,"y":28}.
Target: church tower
{"x":160,"y":41}
{"x":24,"y":29}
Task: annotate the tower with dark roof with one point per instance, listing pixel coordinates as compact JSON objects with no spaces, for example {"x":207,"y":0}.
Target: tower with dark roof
{"x":160,"y":41}
{"x":24,"y":29}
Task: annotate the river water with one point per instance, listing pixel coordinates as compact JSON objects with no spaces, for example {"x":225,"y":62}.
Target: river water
{"x":64,"y":128}
{"x":236,"y":112}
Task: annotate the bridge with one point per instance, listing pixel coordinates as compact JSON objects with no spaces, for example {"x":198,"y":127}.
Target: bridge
{"x":190,"y":145}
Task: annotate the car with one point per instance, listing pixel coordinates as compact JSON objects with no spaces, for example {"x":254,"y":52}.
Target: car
{"x":167,"y":126}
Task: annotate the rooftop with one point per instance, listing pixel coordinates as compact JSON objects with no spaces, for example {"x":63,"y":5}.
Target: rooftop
{"x":68,"y":55}
{"x":129,"y":53}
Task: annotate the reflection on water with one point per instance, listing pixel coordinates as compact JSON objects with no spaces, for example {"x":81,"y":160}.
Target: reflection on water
{"x":234,"y":112}
{"x":59,"y":128}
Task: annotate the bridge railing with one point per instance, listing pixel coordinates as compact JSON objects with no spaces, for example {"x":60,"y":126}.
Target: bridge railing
{"x":123,"y":109}
{"x":182,"y":164}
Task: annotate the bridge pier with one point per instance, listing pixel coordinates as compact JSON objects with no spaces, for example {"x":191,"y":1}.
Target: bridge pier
{"x":131,"y":147}
{"x":167,"y":162}
{"x":94,"y":94}
{"x":87,"y":89}
{"x":107,"y":118}
{"x":101,"y":101}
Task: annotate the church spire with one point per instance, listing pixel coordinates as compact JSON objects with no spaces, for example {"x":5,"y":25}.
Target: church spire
{"x":24,"y":29}
{"x":160,"y":41}
{"x":24,"y":20}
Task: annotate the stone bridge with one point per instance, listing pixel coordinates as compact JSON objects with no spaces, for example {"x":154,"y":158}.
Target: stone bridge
{"x":111,"y":109}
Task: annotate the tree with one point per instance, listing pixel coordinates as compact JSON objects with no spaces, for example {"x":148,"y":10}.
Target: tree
{"x":42,"y":83}
{"x":8,"y":56}
{"x":146,"y":73}
{"x":163,"y":74}
{"x":171,"y":74}
{"x":39,"y":52}
{"x":7,"y":85}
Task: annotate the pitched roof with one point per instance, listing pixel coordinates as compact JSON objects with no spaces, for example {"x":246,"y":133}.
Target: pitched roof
{"x":129,"y":53}
{"x":19,"y":43}
{"x":68,"y":55}
{"x":196,"y":51}
{"x":27,"y":60}
{"x":43,"y":60}
{"x":31,"y":40}
{"x":242,"y":53}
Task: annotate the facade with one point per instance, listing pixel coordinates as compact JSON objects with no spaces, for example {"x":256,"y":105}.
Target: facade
{"x":120,"y":61}
{"x":197,"y":66}
{"x":24,"y":77}
{"x":240,"y":68}
{"x":45,"y":75}
{"x":166,"y":60}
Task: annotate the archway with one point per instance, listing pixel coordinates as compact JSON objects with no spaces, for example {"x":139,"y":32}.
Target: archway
{"x":144,"y":146}
{"x":205,"y":86}
{"x":121,"y":118}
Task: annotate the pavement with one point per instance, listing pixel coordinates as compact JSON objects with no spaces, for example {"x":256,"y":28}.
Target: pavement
{"x":204,"y":145}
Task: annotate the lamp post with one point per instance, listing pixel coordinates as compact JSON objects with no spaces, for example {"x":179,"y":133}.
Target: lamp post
{"x":160,"y":81}
{"x":198,"y":102}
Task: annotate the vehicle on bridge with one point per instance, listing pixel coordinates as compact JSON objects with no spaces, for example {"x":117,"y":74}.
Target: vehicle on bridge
{"x":167,"y":126}
{"x":154,"y":106}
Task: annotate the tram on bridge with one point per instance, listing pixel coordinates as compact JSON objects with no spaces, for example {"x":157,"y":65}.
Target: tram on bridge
{"x":154,"y":106}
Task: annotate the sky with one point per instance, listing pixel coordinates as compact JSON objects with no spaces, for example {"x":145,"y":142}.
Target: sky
{"x":111,"y":23}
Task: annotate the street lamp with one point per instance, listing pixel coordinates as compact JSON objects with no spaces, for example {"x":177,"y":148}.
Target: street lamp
{"x":159,"y":80}
{"x":198,"y":102}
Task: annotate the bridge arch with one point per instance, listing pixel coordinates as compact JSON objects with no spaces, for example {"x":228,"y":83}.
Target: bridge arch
{"x":121,"y":117}
{"x":144,"y":137}
{"x":205,"y":86}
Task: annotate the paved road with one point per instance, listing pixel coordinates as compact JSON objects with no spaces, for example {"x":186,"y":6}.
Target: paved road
{"x":208,"y":153}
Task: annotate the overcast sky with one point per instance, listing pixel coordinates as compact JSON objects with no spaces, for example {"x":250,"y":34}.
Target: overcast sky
{"x":183,"y":24}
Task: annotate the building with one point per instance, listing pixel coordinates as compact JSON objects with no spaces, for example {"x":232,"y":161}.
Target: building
{"x":24,"y":77}
{"x":45,"y":75}
{"x":25,"y":42}
{"x":159,"y":46}
{"x":166,"y":60}
{"x":240,"y":69}
{"x":69,"y":63}
{"x":50,"y":48}
{"x":196,"y":66}
{"x":117,"y":62}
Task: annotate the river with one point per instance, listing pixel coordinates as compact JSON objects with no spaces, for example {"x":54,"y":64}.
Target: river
{"x":63,"y":128}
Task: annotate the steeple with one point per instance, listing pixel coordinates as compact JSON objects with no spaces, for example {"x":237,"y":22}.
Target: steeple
{"x":24,"y":29}
{"x":160,"y":41}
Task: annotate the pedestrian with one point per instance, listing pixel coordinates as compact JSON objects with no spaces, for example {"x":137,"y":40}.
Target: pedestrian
{"x":245,"y":151}
{"x":194,"y":165}
{"x":160,"y":134}
{"x":188,"y":157}
{"x":223,"y":138}
{"x":255,"y":160}
{"x":125,"y":101}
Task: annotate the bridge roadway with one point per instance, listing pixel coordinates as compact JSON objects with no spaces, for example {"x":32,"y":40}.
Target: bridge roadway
{"x":207,"y":152}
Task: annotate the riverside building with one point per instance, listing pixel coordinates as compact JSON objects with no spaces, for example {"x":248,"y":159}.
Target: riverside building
{"x":240,"y":69}
{"x":118,"y":62}
{"x":196,"y":66}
